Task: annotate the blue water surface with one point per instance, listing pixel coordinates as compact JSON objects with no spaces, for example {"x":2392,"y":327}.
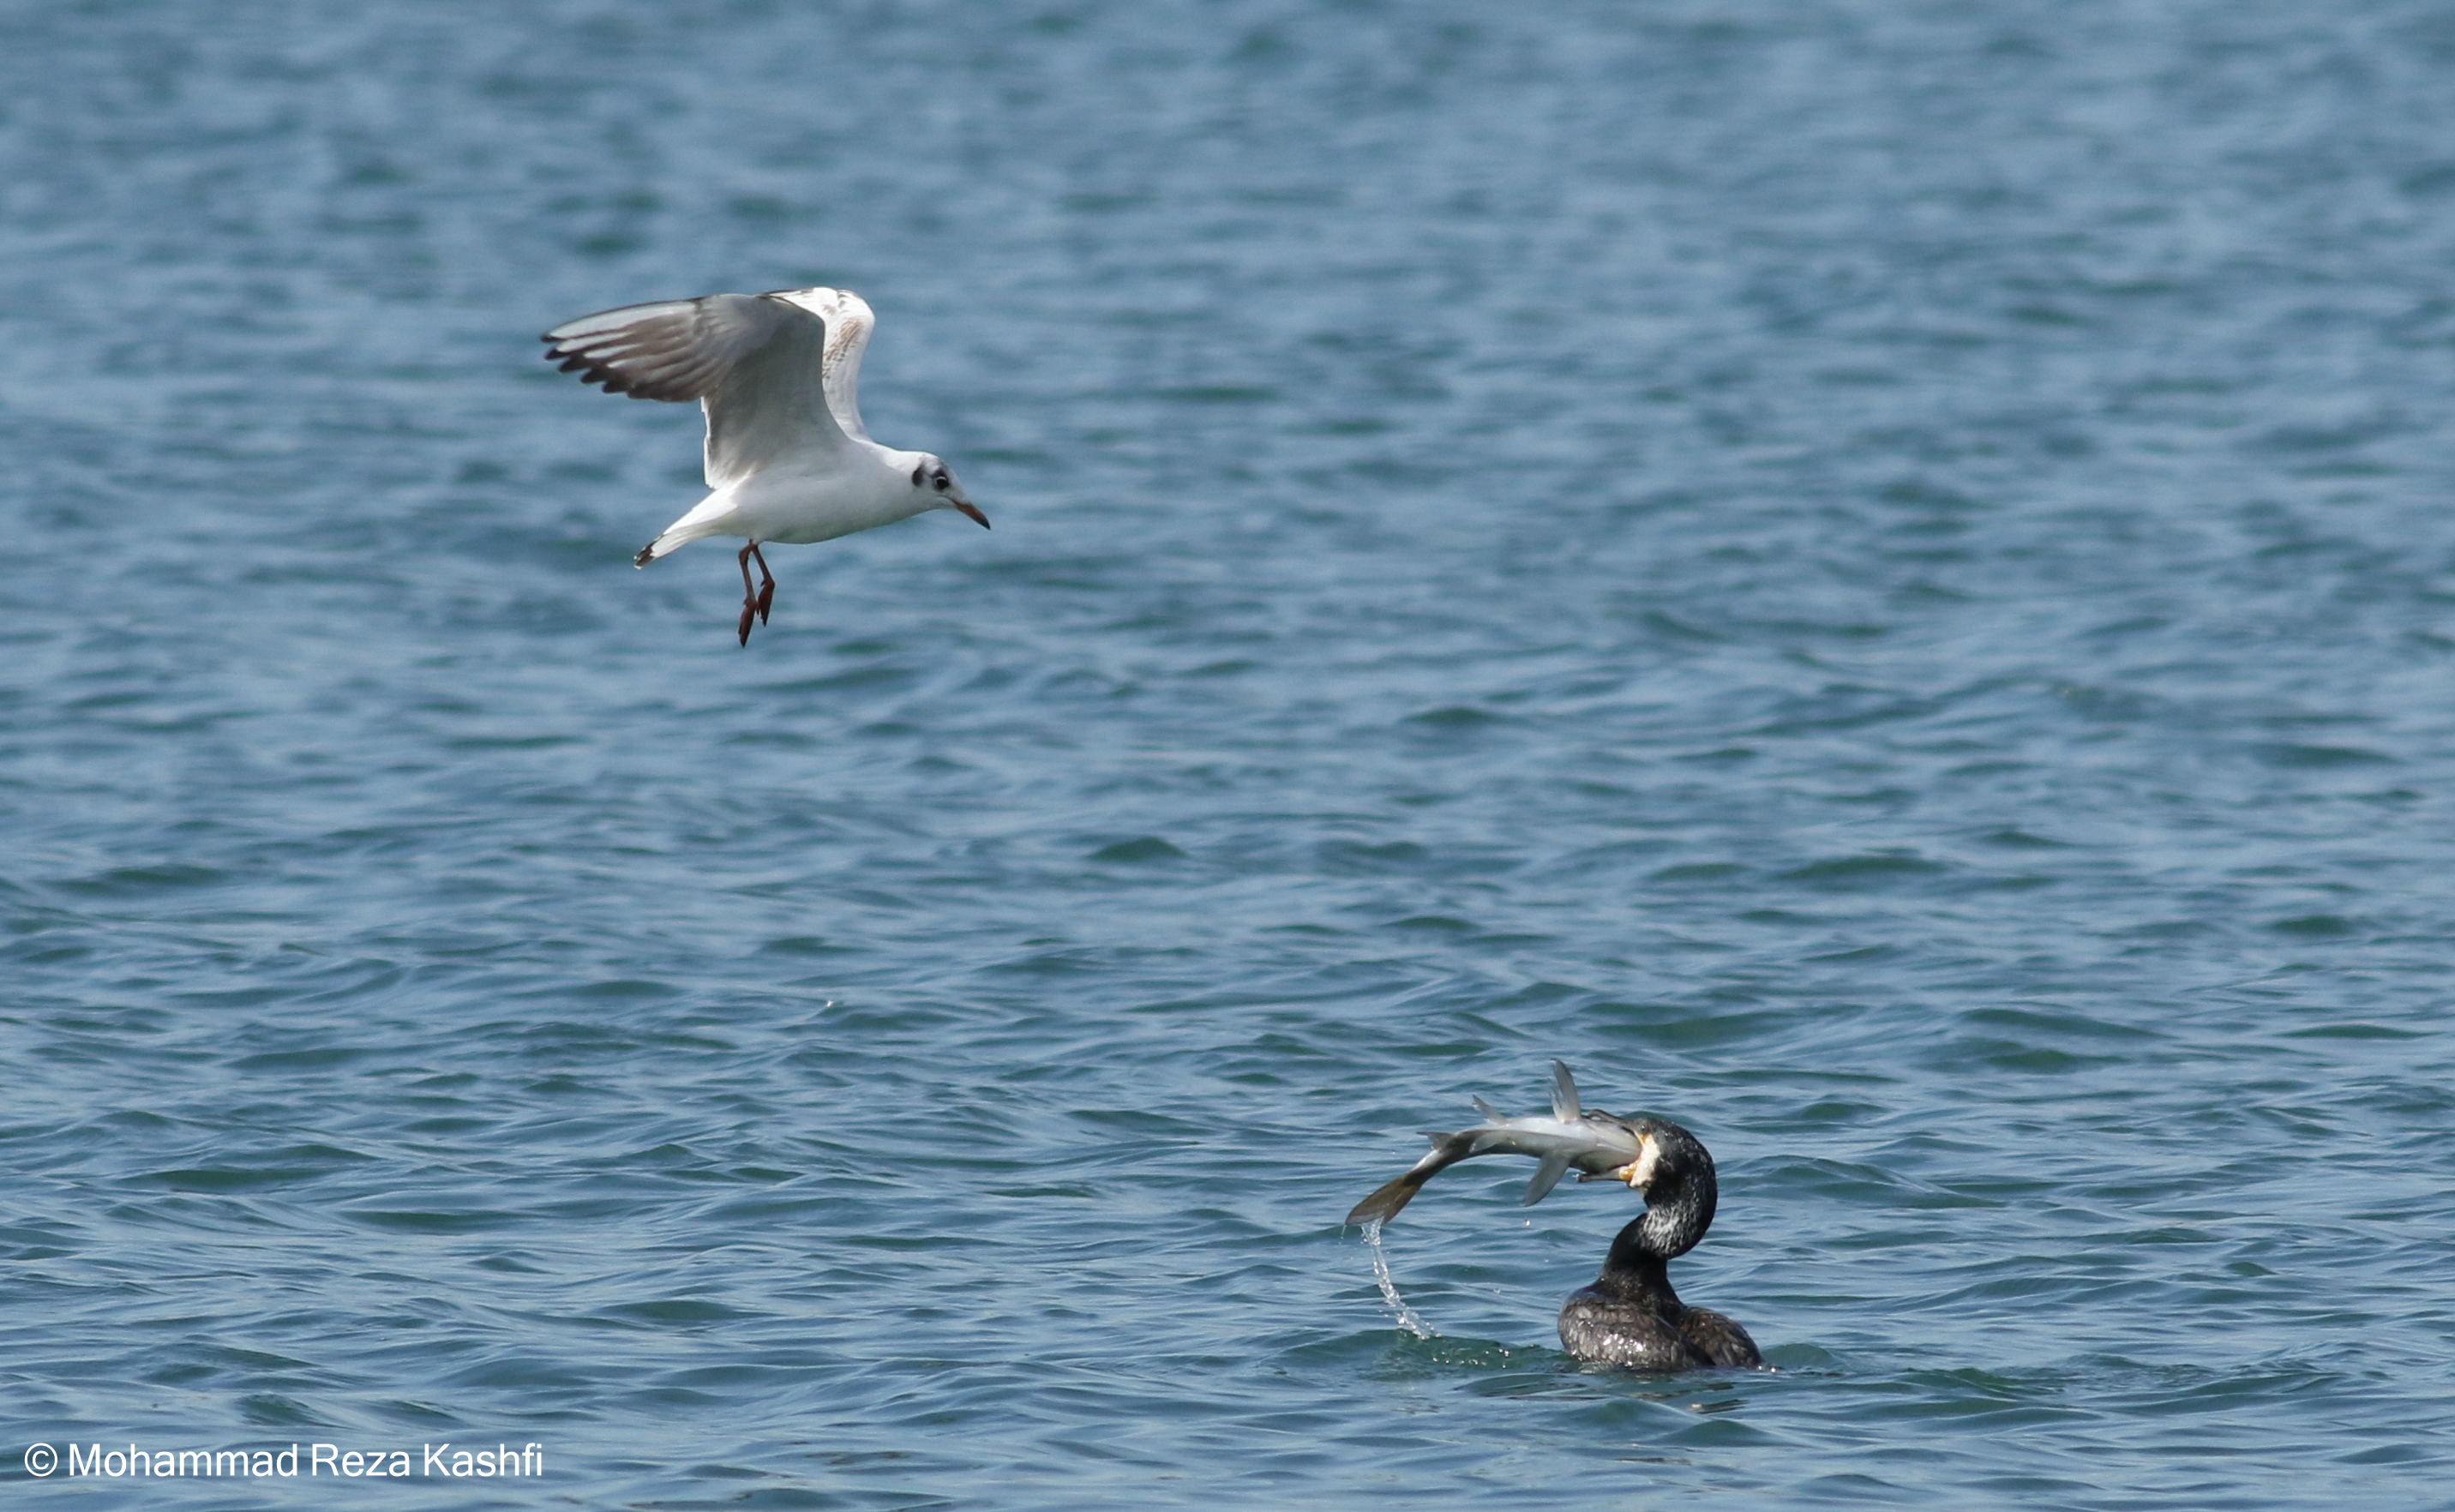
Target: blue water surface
{"x":1877,"y":576}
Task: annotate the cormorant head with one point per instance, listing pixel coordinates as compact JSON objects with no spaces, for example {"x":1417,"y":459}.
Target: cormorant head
{"x":1671,"y":1158}
{"x":1677,"y":1176}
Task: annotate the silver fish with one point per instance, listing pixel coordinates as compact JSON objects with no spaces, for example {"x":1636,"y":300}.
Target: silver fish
{"x":1596,"y":1144}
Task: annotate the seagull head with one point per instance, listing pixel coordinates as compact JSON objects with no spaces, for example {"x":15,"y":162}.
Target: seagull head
{"x":932,"y":478}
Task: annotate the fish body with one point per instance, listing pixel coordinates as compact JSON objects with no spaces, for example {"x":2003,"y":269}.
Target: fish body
{"x":1593,"y":1144}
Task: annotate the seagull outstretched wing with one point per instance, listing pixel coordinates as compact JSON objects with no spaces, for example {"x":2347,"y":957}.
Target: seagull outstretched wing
{"x":759,"y":365}
{"x":849,"y":324}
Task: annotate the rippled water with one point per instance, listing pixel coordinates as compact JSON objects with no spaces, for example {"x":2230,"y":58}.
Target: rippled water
{"x":1875,"y":576}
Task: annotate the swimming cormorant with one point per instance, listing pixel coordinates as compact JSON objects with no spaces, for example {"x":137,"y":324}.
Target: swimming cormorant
{"x":1630,"y":1315}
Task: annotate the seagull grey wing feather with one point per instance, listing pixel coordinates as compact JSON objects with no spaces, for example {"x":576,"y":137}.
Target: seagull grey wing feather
{"x":849,"y":323}
{"x":674,"y":350}
{"x":772,"y":403}
{"x":755,"y":364}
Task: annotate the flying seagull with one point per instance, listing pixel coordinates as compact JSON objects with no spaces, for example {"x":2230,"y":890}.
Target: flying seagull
{"x":779,"y":374}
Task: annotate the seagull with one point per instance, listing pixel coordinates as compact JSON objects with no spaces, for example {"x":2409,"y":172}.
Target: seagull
{"x":778,"y":375}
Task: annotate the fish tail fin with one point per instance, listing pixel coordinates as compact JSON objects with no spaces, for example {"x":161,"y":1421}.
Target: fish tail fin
{"x":1546,"y":1176}
{"x":1384,"y":1205}
{"x":1565,"y":1106}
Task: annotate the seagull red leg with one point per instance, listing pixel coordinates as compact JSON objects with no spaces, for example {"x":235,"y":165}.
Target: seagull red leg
{"x":767,"y":582}
{"x":749,"y":595}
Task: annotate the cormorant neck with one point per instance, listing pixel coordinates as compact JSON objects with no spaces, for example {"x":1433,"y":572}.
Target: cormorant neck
{"x":1634,"y":1271}
{"x":1676,"y":1214}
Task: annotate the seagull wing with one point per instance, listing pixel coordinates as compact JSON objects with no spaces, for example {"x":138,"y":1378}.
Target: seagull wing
{"x":756,"y":363}
{"x":849,"y":324}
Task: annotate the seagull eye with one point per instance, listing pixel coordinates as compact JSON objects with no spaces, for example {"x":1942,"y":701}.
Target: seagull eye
{"x":942,"y":482}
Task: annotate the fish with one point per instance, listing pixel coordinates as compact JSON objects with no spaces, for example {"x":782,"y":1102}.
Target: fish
{"x":1597,"y":1145}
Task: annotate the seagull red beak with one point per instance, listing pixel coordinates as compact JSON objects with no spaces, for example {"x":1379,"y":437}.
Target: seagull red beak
{"x":974,"y":514}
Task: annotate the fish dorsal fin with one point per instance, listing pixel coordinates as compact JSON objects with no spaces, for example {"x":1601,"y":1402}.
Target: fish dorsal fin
{"x":1488,"y":1111}
{"x":1546,"y":1176}
{"x":1565,"y":1106}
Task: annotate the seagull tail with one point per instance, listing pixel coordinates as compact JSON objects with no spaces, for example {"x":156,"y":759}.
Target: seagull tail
{"x":708,"y":519}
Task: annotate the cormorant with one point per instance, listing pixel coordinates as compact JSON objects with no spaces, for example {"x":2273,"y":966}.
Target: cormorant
{"x":1630,"y":1315}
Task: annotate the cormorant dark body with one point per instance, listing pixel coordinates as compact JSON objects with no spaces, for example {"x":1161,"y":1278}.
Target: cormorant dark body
{"x":1630,"y":1315}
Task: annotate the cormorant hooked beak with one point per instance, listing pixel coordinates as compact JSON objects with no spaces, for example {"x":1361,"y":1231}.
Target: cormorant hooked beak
{"x":1638,"y":1172}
